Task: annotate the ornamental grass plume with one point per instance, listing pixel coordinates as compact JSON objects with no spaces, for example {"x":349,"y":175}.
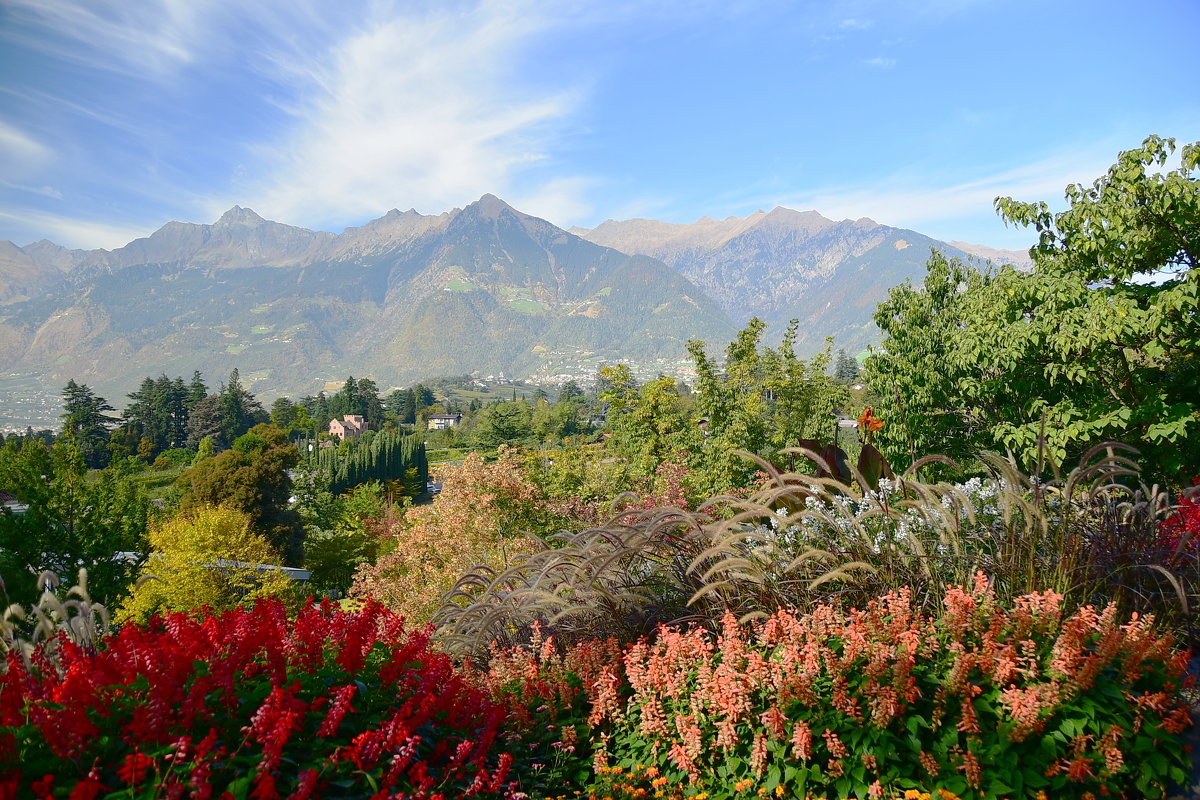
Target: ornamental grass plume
{"x":44,"y":626}
{"x":1092,"y":535}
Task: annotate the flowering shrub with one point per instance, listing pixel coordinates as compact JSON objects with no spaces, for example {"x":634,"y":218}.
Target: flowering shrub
{"x":481,"y":509}
{"x":979,"y":701}
{"x":248,"y":703}
{"x":1180,"y":532}
{"x":546,"y":696}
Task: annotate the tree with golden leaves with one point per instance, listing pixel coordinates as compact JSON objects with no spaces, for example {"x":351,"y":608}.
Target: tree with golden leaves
{"x":206,"y":557}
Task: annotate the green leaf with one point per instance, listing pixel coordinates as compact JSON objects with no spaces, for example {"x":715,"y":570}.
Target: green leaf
{"x":239,"y":788}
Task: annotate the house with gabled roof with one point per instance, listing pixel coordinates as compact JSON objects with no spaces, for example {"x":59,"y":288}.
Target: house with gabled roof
{"x":350,"y":426}
{"x":440,"y":422}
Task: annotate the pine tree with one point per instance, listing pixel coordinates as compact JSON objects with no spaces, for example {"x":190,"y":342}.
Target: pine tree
{"x":84,"y":419}
{"x":239,"y":410}
{"x":196,"y":391}
{"x":845,"y":368}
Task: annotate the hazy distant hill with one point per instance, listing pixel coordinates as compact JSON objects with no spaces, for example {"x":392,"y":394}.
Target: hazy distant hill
{"x":787,"y":264}
{"x":1018,"y":258}
{"x":29,"y":271}
{"x":485,"y":288}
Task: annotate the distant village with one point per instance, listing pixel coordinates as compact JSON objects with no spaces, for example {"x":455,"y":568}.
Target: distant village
{"x":28,"y":404}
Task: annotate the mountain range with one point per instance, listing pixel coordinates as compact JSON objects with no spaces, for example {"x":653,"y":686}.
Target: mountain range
{"x":784,"y":264}
{"x":485,"y":289}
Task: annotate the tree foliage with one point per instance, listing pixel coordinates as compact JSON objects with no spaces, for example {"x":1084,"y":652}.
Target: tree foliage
{"x":1099,"y":341}
{"x":206,"y":557}
{"x":478,"y":519}
{"x":157,"y":414}
{"x":70,"y":521}
{"x":762,"y":401}
{"x":504,"y":423}
{"x":359,"y":397}
{"x":648,"y":424}
{"x":386,"y":457}
{"x":237,"y":408}
{"x":83,"y":418}
{"x":845,"y":368}
{"x":910,"y":375}
{"x":252,"y":477}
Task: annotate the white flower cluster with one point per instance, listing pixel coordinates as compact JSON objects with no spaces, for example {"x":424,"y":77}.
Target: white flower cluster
{"x":880,"y":521}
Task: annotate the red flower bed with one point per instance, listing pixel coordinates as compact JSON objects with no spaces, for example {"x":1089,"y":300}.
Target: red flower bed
{"x":250,"y":704}
{"x":1180,"y":532}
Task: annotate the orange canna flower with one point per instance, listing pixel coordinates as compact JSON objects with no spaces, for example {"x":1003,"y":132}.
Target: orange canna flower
{"x":867,"y":421}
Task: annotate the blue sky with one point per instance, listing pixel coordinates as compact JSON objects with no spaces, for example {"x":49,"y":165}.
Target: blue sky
{"x":116,"y":116}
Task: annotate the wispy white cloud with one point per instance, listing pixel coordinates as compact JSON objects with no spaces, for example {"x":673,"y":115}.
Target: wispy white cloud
{"x":880,"y":62}
{"x":73,"y":231}
{"x":47,"y":104}
{"x":141,"y":39}
{"x":913,"y":199}
{"x":356,"y":108}
{"x":18,"y":146}
{"x":422,"y":110}
{"x":44,"y":191}
{"x":22,"y":156}
{"x":560,"y":201}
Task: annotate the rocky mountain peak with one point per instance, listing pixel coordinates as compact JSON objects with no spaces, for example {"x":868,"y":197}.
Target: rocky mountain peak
{"x":240,"y":216}
{"x":393,"y":229}
{"x":489,"y":207}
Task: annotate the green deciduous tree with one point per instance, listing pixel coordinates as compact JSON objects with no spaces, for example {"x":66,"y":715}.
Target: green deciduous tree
{"x":70,"y":521}
{"x":252,"y":477}
{"x":1099,"y":341}
{"x":761,"y":400}
{"x":915,"y":374}
{"x":648,"y":424}
{"x":551,"y":423}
